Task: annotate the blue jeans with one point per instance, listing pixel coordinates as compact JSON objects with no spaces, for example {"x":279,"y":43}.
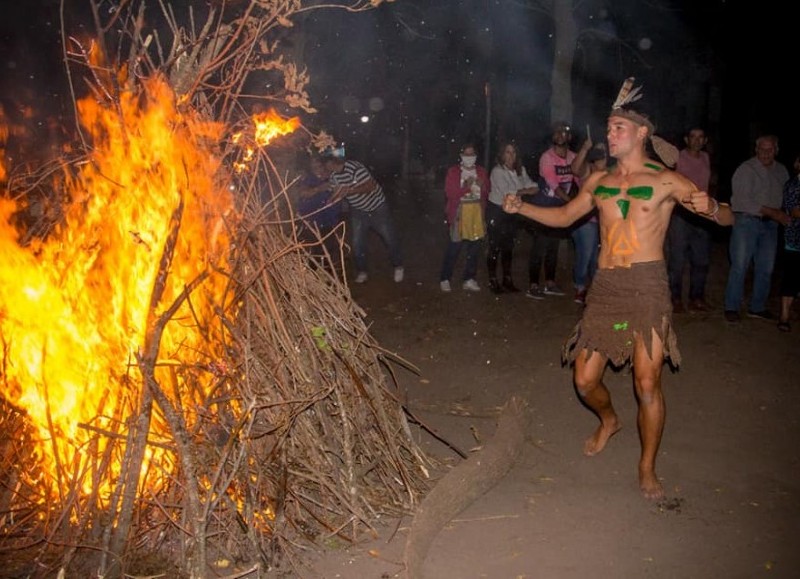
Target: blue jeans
{"x":381,"y":222}
{"x":586,"y":238}
{"x":753,"y":240}
{"x":451,"y":256}
{"x":688,"y":237}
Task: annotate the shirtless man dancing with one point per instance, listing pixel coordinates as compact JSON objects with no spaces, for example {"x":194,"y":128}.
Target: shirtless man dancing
{"x":628,"y":314}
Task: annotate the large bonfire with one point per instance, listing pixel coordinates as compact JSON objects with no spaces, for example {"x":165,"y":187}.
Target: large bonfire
{"x":179,"y":386}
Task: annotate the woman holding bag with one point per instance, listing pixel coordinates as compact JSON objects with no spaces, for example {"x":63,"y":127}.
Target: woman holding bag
{"x":466,"y":190}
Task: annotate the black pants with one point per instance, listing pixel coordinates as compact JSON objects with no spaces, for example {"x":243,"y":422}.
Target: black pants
{"x":501,"y":230}
{"x":544,"y":248}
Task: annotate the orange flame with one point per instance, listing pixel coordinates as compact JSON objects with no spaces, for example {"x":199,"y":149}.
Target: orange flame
{"x":268,"y":126}
{"x":75,"y":308}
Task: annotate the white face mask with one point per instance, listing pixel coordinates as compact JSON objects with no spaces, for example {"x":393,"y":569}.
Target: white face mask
{"x":468,"y":160}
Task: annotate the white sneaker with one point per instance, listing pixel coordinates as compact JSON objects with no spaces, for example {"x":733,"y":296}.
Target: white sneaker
{"x":399,"y":272}
{"x":471,"y":286}
{"x":361,"y":277}
{"x":444,"y":285}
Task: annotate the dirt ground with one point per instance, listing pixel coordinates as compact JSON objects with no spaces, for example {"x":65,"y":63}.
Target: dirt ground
{"x":729,"y":457}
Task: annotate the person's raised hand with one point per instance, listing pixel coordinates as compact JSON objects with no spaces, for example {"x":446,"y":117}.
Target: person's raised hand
{"x":512,"y":203}
{"x":700,"y":202}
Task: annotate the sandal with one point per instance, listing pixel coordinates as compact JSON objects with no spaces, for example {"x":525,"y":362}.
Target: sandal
{"x":784,"y":326}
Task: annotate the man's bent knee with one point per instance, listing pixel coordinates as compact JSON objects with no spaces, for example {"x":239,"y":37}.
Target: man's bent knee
{"x":584,"y":386}
{"x":588,"y":372}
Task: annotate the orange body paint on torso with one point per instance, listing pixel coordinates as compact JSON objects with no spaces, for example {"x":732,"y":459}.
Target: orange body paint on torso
{"x":632,"y":227}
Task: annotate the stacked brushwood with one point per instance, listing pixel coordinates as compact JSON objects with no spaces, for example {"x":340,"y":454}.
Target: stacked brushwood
{"x":330,"y":430}
{"x":304,"y":439}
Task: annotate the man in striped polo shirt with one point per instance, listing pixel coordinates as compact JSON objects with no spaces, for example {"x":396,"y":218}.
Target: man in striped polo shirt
{"x":368,"y":209}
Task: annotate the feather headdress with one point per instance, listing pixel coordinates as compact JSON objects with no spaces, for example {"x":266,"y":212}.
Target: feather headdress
{"x":622,"y":106}
{"x":629,"y":94}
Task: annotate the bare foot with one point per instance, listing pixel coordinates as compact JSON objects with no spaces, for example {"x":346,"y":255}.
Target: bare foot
{"x":650,"y":486}
{"x":597,"y":441}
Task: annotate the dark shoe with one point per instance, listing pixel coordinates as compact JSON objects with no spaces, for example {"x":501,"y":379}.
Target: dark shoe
{"x":732,"y":316}
{"x":699,"y":306}
{"x":551,"y":289}
{"x":580,"y":297}
{"x":677,"y":307}
{"x":784,"y":326}
{"x":762,"y":315}
{"x":495,"y":286}
{"x":509,"y":286}
{"x":535,"y":292}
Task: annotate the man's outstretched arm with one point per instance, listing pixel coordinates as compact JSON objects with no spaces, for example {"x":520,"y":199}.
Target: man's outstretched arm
{"x":562,"y":216}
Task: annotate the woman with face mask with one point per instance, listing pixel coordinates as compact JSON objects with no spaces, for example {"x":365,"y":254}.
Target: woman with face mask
{"x":509,"y":177}
{"x":466,"y":190}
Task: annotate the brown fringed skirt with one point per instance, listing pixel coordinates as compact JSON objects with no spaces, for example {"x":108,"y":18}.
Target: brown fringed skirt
{"x":621,"y":303}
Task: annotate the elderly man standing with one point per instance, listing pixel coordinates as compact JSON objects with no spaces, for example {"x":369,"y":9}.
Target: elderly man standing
{"x":757,"y":194}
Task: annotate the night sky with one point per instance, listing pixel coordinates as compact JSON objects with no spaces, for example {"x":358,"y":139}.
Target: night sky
{"x":419,"y":68}
{"x":718,"y":64}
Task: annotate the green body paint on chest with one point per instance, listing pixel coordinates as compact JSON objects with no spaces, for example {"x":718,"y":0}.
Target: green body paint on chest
{"x":644,"y":193}
{"x":604,"y":192}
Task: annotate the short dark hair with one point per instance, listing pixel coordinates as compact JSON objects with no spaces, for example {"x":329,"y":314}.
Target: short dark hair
{"x":559,"y":126}
{"x":695,"y":128}
{"x":326,"y":159}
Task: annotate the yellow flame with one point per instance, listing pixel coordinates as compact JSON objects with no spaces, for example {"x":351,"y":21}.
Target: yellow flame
{"x":270,"y":125}
{"x":75,"y":308}
{"x":267,"y":127}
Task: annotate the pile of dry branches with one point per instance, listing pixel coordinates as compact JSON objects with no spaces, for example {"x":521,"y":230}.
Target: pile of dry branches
{"x":301,"y":437}
{"x":302,"y":440}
